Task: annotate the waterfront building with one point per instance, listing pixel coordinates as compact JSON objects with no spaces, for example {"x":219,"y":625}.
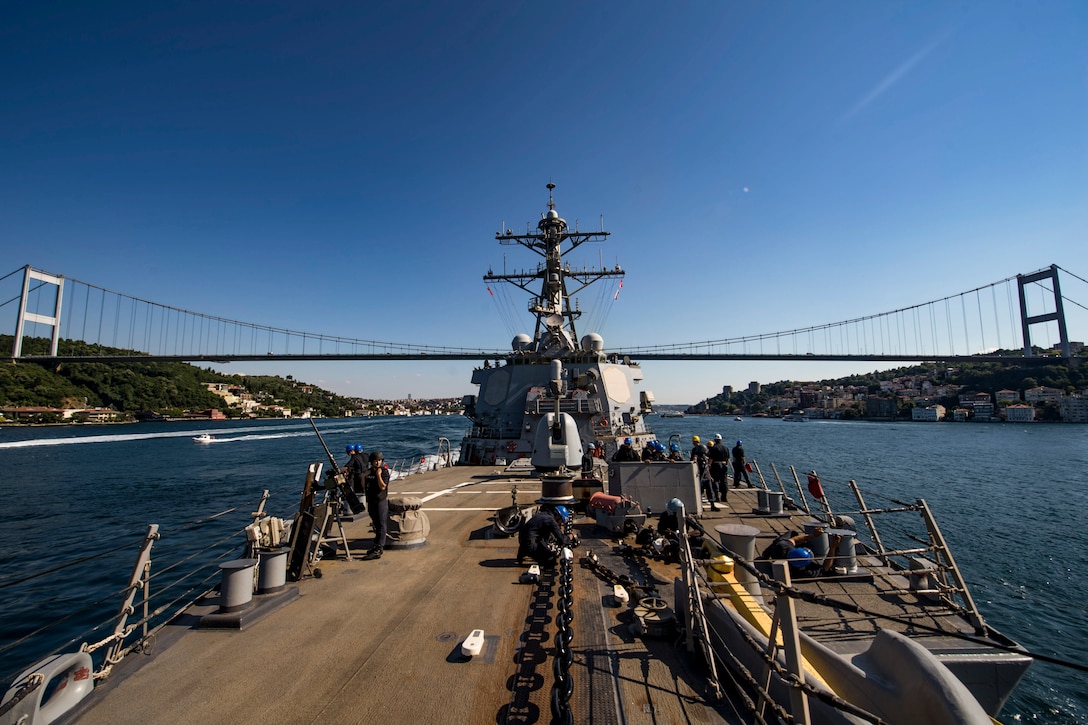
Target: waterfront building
{"x":1042,"y":394}
{"x":983,"y":411}
{"x":1020,"y":413}
{"x":23,"y":412}
{"x":970,"y":400}
{"x":1008,"y":396}
{"x":1074,"y":409}
{"x":930,"y":413}
{"x":884,"y":408}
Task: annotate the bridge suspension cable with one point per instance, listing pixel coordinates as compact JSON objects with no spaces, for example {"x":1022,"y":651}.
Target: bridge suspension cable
{"x":97,"y":316}
{"x":947,"y":327}
{"x":929,"y":328}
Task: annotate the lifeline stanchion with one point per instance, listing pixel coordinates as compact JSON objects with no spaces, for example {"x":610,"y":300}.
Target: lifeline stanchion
{"x":563,"y":687}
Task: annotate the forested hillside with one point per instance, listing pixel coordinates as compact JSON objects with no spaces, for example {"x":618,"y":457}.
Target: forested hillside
{"x":134,"y":387}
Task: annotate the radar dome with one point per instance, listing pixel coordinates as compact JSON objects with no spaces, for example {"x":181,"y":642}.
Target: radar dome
{"x":553,"y":214}
{"x":521,"y":342}
{"x":592,"y":342}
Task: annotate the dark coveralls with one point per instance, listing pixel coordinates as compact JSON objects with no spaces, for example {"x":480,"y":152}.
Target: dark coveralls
{"x":738,"y":467}
{"x":719,"y":468}
{"x":356,"y":470}
{"x":541,"y":538}
{"x":587,"y":464}
{"x":781,"y":547}
{"x":376,"y":495}
{"x":699,"y":455}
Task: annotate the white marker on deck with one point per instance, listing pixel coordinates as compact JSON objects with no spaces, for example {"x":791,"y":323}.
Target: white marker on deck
{"x":473,"y":644}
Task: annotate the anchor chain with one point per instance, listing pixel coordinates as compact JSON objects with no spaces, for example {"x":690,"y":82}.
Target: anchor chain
{"x":592,"y":562}
{"x":563,"y":687}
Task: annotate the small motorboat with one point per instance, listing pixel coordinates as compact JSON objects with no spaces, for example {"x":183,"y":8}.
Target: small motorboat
{"x":204,"y":438}
{"x":737,"y":418}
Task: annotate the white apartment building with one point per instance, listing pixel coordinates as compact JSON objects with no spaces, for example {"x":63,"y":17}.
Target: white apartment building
{"x":1020,"y":414}
{"x":931,"y":413}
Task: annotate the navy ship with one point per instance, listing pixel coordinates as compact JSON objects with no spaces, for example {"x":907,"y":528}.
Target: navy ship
{"x":598,"y":390}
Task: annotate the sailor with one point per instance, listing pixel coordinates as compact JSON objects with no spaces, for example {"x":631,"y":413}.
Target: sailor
{"x":739,"y":467}
{"x":718,"y":455}
{"x":376,"y":487}
{"x":626,"y":452}
{"x":674,"y":452}
{"x":353,"y":471}
{"x":790,"y":546}
{"x":698,"y":454}
{"x":541,"y":537}
{"x":356,"y":467}
{"x":587,"y":461}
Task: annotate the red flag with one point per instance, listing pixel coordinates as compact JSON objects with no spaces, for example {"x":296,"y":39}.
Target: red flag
{"x":489,"y":291}
{"x":621,"y":284}
{"x":814,"y":486}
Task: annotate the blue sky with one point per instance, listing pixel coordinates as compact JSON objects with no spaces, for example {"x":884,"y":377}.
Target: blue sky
{"x":342,"y":168}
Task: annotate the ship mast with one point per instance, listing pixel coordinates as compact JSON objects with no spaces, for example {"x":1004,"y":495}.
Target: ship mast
{"x":555,"y":333}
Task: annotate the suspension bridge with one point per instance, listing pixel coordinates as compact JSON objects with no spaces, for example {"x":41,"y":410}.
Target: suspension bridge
{"x":1019,"y":319}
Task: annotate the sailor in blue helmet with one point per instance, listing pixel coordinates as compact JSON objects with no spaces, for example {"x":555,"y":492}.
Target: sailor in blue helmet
{"x":353,"y":472}
{"x":803,"y":565}
{"x":669,"y":521}
{"x":542,"y":538}
{"x":355,"y":468}
{"x":740,"y":467}
{"x":718,"y":455}
{"x":626,"y":452}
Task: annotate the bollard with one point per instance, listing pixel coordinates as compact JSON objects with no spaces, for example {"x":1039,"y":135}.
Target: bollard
{"x":272,"y":574}
{"x":922,"y":578}
{"x":818,"y":544}
{"x":846,"y":561}
{"x":774,"y":503}
{"x":741,"y":539}
{"x":236,"y":589}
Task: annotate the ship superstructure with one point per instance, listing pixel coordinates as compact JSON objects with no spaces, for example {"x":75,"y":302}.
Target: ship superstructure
{"x":554,"y":370}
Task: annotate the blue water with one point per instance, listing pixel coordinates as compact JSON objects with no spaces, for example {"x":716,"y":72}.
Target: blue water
{"x":1008,"y":498}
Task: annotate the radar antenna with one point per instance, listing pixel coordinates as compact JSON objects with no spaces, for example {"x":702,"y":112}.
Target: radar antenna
{"x":551,"y":304}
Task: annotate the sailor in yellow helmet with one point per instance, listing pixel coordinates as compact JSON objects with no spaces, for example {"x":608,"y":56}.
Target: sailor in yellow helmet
{"x":699,"y":455}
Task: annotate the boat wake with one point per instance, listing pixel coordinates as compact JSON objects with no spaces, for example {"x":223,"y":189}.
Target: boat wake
{"x":117,"y":438}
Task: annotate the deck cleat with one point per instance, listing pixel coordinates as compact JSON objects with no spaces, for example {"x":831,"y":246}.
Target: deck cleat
{"x":473,"y":644}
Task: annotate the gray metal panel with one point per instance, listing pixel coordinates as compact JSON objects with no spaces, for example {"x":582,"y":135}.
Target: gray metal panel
{"x":654,"y":484}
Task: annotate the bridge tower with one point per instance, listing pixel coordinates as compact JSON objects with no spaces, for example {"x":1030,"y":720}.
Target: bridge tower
{"x":29,"y":273}
{"x":1058,"y":314}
